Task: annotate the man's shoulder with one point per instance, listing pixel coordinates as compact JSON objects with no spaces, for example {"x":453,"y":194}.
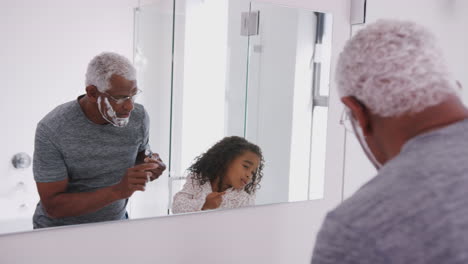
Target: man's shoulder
{"x":407,"y":182}
{"x":428,"y":163}
{"x":390,"y":195}
{"x":358,"y":206}
{"x":60,"y":114}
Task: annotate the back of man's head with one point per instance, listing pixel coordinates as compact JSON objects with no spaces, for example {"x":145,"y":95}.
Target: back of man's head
{"x":394,"y":67}
{"x":103,"y":66}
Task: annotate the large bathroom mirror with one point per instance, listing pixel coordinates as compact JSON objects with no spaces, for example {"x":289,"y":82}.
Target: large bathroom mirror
{"x":208,"y":69}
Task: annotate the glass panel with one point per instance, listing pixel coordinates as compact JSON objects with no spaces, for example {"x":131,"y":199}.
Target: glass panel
{"x":209,"y":79}
{"x":322,"y":55}
{"x":289,"y":63}
{"x":317,"y":155}
{"x":153,"y":60}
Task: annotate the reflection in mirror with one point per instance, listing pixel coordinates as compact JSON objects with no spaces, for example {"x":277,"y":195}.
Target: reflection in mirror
{"x":260,"y":72}
{"x":211,"y":69}
{"x":44,"y":61}
{"x":153,"y":39}
{"x":209,"y":80}
{"x":287,"y":100}
{"x":227,"y":175}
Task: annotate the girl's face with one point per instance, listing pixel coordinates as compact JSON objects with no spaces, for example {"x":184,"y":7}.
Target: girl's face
{"x":241,"y":170}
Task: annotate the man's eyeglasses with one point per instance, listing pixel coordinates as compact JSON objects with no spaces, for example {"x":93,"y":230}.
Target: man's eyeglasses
{"x":123,"y":99}
{"x":346,"y":120}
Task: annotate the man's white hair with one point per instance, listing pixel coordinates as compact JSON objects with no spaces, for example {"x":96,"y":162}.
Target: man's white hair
{"x":103,"y":66}
{"x":394,"y":67}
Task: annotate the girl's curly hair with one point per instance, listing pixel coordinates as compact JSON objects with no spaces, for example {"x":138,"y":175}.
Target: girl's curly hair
{"x":214,"y":162}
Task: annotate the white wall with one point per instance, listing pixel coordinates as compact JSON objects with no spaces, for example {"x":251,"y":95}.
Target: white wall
{"x":282,"y":233}
{"x":448,"y":20}
{"x":45,"y":48}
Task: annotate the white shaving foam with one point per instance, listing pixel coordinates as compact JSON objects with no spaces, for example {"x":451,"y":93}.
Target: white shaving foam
{"x":113,"y":119}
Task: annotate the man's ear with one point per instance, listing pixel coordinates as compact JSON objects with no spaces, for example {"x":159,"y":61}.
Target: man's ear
{"x":92,"y":93}
{"x":359,"y":112}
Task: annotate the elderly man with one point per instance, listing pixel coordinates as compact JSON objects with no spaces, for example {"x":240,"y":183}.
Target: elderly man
{"x":86,"y":150}
{"x":405,"y":111}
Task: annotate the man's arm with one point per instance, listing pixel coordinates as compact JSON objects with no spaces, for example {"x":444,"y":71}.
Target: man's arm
{"x":59,"y":204}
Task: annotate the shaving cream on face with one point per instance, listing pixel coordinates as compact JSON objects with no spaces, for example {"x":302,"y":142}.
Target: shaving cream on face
{"x":111,"y":115}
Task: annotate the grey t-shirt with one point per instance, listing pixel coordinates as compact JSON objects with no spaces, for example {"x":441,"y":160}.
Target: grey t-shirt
{"x":91,"y":156}
{"x":414,"y":211}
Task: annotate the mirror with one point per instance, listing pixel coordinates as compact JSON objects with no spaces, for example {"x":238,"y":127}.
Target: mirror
{"x":203,"y":77}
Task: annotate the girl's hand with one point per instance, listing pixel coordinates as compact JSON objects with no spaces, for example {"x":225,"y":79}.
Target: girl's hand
{"x":213,"y":200}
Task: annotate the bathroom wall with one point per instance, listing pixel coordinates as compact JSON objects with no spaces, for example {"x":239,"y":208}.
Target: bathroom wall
{"x":448,"y":20}
{"x":281,"y":233}
{"x":47,"y":45}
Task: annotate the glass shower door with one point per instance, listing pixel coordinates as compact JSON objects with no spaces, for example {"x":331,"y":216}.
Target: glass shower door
{"x":153,"y":26}
{"x":287,"y":99}
{"x":209,"y":81}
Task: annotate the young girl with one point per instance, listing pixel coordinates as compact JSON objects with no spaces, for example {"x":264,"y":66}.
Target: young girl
{"x":225,"y":176}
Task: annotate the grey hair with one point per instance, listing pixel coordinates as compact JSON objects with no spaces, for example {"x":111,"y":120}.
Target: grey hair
{"x":394,"y":67}
{"x":103,"y":66}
